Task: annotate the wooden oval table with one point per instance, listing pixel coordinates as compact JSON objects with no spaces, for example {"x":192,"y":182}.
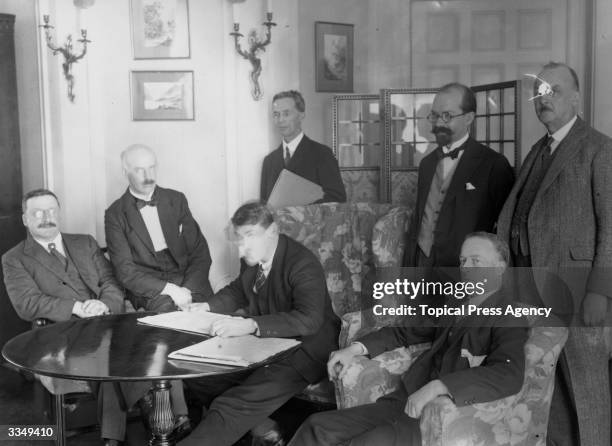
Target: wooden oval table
{"x":115,"y":348}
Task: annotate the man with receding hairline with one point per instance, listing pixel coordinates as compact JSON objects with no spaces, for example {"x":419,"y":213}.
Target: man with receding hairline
{"x":298,"y":153}
{"x":156,"y":247}
{"x":558,"y":217}
{"x":462,"y":185}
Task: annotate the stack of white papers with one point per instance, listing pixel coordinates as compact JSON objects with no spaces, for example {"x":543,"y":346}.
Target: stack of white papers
{"x":239,"y":351}
{"x":189,"y":321}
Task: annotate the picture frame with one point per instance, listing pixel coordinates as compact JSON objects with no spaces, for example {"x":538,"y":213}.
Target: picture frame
{"x":160,"y":29}
{"x":333,"y":57}
{"x":162,"y":95}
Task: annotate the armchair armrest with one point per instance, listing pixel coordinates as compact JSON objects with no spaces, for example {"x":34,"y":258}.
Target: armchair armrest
{"x":366,"y":379}
{"x":498,"y":422}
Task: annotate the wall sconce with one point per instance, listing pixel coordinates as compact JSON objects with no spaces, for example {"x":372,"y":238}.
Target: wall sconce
{"x":66,"y":51}
{"x":255,"y":45}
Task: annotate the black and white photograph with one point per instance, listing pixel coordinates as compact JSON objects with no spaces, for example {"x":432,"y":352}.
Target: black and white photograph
{"x":306,"y":222}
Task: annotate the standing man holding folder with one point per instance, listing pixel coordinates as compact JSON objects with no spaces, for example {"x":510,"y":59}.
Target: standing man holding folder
{"x":298,"y":153}
{"x":281,"y":291}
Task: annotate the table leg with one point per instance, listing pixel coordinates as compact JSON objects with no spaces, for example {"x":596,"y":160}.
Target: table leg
{"x":60,"y":419}
{"x":161,"y":418}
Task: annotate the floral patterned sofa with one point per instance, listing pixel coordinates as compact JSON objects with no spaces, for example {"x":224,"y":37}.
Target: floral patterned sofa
{"x":351,"y":240}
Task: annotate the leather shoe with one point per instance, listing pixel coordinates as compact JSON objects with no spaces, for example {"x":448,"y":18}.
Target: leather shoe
{"x":182,"y":427}
{"x":271,"y":438}
{"x":111,"y":442}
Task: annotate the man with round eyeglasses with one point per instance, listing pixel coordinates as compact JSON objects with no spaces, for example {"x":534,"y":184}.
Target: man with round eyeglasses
{"x":462,"y":185}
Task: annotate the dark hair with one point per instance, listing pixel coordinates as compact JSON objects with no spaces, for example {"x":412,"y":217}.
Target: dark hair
{"x":500,"y":246}
{"x":253,"y":213}
{"x":468,"y":99}
{"x":36,"y":193}
{"x":293,"y":94}
{"x":552,"y":65}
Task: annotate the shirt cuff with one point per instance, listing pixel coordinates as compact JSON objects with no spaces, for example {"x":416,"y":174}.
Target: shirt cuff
{"x":364,"y":349}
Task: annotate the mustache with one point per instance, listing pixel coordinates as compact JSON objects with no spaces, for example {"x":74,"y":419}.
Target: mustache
{"x":443,"y":130}
{"x":148,"y":182}
{"x":48,"y":224}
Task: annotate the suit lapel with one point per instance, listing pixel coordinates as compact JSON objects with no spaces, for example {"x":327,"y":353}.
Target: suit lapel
{"x":76,"y":253}
{"x":34,"y":250}
{"x":429,"y":170}
{"x":300,"y":154}
{"x":134,"y":219}
{"x":468,"y":163}
{"x":567,"y":149}
{"x":167,"y":219}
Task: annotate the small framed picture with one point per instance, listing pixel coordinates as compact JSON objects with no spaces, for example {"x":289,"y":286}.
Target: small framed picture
{"x":162,"y":95}
{"x":160,"y":29}
{"x":333,"y":57}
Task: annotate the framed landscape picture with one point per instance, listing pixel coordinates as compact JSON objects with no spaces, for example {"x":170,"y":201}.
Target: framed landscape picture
{"x":333,"y":57}
{"x":162,"y":95}
{"x":160,"y":29}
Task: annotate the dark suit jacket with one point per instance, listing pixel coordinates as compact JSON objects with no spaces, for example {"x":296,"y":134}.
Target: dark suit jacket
{"x":311,"y":160}
{"x":463,"y":211}
{"x":500,"y":374}
{"x":293,"y":303}
{"x":132,"y":253}
{"x":39,"y":287}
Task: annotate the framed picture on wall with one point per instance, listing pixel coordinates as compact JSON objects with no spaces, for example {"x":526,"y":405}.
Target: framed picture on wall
{"x":333,"y":57}
{"x":162,"y":95}
{"x":160,"y":29}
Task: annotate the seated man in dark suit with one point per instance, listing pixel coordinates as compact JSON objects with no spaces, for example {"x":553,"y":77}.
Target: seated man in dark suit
{"x":282,"y":292}
{"x":454,"y":366}
{"x":58,"y":276}
{"x":298,"y":153}
{"x":156,"y":247}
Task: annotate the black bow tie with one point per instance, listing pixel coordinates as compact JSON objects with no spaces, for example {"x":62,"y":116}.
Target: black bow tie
{"x":142,"y":203}
{"x":452,"y":154}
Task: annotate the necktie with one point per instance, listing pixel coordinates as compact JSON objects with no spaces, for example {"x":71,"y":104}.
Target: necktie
{"x":260,"y":279}
{"x":547,"y":150}
{"x":57,"y":254}
{"x":142,"y":203}
{"x":452,"y":154}
{"x":287,"y":156}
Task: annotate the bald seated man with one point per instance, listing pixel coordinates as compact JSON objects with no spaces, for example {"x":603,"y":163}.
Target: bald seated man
{"x":156,"y":247}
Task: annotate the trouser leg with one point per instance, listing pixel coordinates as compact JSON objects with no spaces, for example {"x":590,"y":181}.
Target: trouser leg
{"x":377,"y":423}
{"x":246,"y":405}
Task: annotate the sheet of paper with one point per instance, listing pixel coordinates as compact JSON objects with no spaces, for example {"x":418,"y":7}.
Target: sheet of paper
{"x":239,"y":351}
{"x":190,"y":321}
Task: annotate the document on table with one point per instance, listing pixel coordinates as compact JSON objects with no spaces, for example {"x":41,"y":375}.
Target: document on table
{"x":291,"y":189}
{"x":189,"y":321}
{"x":240,"y":351}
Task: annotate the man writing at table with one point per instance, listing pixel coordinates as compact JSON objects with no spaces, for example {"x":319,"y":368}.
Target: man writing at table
{"x":282,"y":292}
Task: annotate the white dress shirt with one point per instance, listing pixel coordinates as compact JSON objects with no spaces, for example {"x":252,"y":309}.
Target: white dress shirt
{"x":560,"y":134}
{"x":449,"y":164}
{"x":59,"y":244}
{"x":292,"y":145}
{"x":150,"y":215}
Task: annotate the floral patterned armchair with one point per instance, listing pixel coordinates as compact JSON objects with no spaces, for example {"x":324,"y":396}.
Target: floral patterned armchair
{"x":351,"y":240}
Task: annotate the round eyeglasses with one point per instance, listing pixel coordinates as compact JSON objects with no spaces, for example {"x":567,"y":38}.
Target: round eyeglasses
{"x":445,"y":116}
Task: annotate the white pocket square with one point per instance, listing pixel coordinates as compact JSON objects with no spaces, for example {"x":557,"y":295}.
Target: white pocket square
{"x":469,"y":186}
{"x":474,"y":361}
{"x":180,"y":229}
